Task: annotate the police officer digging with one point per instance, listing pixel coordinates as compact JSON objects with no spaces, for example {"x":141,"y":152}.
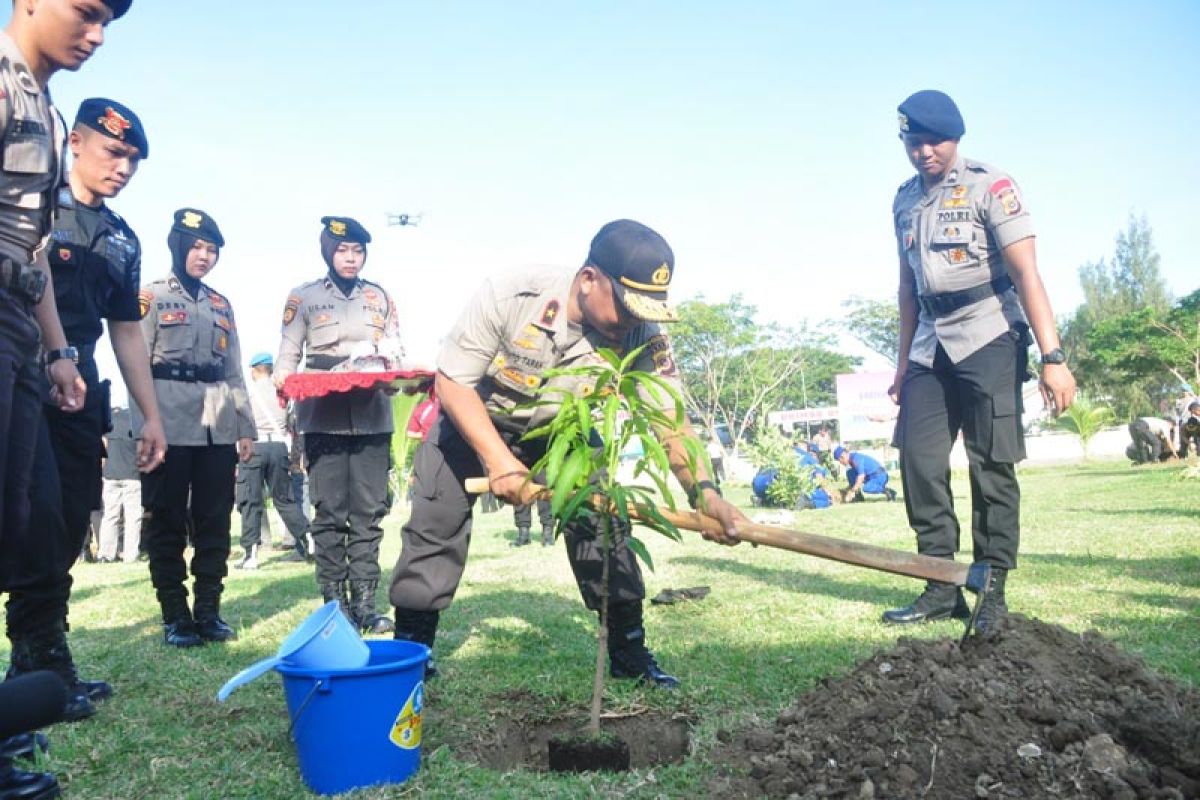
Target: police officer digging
{"x":41,"y":38}
{"x":347,"y":436}
{"x":493,"y":362}
{"x":95,"y":259}
{"x":969,"y":294}
{"x":196,"y":363}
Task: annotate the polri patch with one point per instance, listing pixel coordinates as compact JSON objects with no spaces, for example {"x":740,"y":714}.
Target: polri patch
{"x":290,"y":309}
{"x":145,"y":298}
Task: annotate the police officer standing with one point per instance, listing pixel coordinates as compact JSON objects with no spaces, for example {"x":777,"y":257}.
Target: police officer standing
{"x":347,"y":435}
{"x":95,"y":259}
{"x":197,"y":367}
{"x":969,"y":293}
{"x":40,"y":39}
{"x":494,"y":361}
{"x":268,"y":468}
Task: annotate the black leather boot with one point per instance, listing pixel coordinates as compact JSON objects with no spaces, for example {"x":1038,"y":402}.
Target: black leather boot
{"x":938,"y":601}
{"x":993,"y":609}
{"x":48,"y":650}
{"x":179,"y":629}
{"x":336,"y":590}
{"x":628,"y":656}
{"x":209,"y":625}
{"x":420,"y":627}
{"x":24,"y":746}
{"x":362,"y":601}
{"x":547,"y":535}
{"x":522,"y":538}
{"x":17,"y":784}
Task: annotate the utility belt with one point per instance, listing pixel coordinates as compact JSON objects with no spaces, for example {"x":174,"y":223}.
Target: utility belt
{"x":213,"y":372}
{"x":22,"y":279}
{"x":946,"y":303}
{"x":323,"y":362}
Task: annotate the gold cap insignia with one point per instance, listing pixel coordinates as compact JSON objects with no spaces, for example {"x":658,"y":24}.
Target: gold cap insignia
{"x":114,"y":122}
{"x":191,"y":219}
{"x":661,"y":276}
{"x":337,"y":227}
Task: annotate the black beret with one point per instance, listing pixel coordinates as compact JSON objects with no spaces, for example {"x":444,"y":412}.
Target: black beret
{"x":640,"y":264}
{"x":113,"y":120}
{"x":345,"y":229}
{"x":119,"y":7}
{"x":931,"y":111}
{"x":194,"y":222}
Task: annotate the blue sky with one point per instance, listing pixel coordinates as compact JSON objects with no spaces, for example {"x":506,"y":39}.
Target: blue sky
{"x":759,"y":138}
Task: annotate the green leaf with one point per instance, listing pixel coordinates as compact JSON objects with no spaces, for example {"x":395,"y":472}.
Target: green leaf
{"x":639,"y":550}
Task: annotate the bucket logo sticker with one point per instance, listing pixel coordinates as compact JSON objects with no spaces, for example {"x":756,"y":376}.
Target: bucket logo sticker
{"x":328,"y":630}
{"x":406,"y":730}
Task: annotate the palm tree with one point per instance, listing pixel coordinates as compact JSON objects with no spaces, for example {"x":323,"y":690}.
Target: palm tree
{"x":1085,"y":420}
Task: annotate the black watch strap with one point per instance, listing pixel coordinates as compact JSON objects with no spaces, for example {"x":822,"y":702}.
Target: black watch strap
{"x":61,"y":353}
{"x":1055,"y":356}
{"x":693,"y":494}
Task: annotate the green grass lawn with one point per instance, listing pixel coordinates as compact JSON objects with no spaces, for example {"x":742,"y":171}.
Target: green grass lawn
{"x":1105,"y":547}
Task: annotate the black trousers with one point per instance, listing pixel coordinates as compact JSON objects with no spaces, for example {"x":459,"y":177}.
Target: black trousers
{"x":267,"y":468}
{"x":27,"y":557}
{"x":1146,"y":447}
{"x":437,"y":535}
{"x":980,"y":397}
{"x":523,"y":515}
{"x":192,"y":488}
{"x":348,"y":485}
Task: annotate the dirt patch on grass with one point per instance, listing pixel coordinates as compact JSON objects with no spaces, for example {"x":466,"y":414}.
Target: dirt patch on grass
{"x":654,"y":738}
{"x":1036,"y":712}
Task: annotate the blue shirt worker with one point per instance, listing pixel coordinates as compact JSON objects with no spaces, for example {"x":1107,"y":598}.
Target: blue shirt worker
{"x":197,"y":366}
{"x":268,"y":469}
{"x":864,"y":475}
{"x":95,"y":259}
{"x":490,"y":368}
{"x":969,"y":294}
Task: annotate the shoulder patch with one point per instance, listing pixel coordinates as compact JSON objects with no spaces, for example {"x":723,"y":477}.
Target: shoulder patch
{"x":290,"y":308}
{"x":1006,"y":194}
{"x":659,"y":348}
{"x":145,"y":298}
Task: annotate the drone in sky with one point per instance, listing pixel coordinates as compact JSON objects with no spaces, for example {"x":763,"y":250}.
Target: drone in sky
{"x":405,"y":220}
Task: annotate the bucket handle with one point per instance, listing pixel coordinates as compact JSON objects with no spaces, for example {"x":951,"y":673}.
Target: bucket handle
{"x":300,"y":711}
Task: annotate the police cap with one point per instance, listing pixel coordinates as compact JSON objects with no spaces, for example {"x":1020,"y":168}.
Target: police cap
{"x":931,"y":111}
{"x":196,"y":223}
{"x":345,"y":229}
{"x":640,"y":264}
{"x":838,"y":452}
{"x":259,"y":359}
{"x":113,"y":120}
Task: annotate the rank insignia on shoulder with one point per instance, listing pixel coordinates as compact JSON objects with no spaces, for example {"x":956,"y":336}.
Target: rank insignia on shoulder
{"x":145,"y":298}
{"x":549,"y":313}
{"x":1006,"y":194}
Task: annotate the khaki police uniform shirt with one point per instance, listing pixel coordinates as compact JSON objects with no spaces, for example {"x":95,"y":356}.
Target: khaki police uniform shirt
{"x":31,"y":160}
{"x":516,"y":328}
{"x":951,"y":238}
{"x":180,"y":330}
{"x":318,"y":320}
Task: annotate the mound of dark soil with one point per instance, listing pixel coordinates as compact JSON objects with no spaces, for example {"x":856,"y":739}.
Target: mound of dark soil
{"x":1035,"y":712}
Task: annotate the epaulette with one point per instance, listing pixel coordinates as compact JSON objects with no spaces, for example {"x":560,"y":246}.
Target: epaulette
{"x":376,"y":285}
{"x":907,"y":183}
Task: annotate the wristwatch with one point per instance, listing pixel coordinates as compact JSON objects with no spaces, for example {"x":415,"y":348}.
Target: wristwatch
{"x":59,"y":354}
{"x":1055,"y":356}
{"x":693,"y":494}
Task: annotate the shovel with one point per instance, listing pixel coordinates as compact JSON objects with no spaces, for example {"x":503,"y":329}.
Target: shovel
{"x":974,"y":578}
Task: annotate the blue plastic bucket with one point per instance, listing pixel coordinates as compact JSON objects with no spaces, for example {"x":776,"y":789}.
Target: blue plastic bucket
{"x":358,"y":727}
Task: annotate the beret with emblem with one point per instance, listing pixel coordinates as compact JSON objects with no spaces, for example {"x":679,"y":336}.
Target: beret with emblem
{"x":345,"y":229}
{"x":113,"y":120}
{"x":931,"y":111}
{"x":640,"y":264}
{"x":194,"y":222}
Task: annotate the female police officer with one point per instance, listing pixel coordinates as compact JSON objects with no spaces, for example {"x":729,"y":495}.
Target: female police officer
{"x":196,"y":363}
{"x":347,"y":436}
